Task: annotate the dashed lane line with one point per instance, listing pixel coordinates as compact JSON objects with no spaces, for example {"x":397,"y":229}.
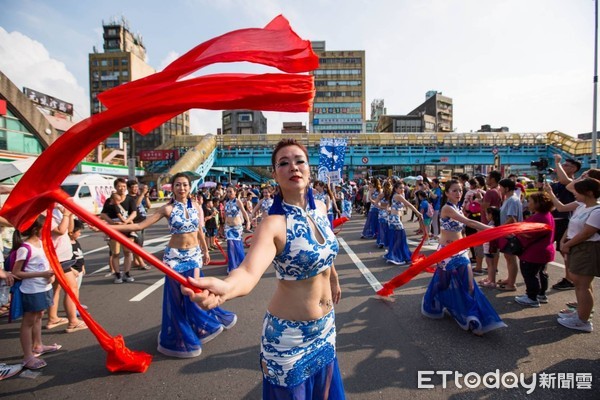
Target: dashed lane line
{"x":361,"y":266}
{"x":146,"y":292}
{"x":149,"y":249}
{"x":160,"y":239}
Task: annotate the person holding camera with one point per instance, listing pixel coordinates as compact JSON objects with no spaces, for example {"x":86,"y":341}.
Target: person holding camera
{"x":565,"y":173}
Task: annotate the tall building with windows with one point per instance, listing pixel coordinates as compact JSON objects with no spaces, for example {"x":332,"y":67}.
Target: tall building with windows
{"x":339,"y":104}
{"x":439,"y":107}
{"x":243,"y":122}
{"x":377,"y":110}
{"x":124,"y":60}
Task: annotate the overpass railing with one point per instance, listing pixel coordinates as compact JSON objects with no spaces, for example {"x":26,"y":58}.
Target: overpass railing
{"x":576,"y":147}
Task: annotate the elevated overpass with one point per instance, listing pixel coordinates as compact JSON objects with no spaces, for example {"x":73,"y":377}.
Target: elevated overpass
{"x":417,"y":152}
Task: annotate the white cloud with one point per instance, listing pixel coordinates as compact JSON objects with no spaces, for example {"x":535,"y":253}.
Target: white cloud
{"x":26,"y":62}
{"x":171,"y":56}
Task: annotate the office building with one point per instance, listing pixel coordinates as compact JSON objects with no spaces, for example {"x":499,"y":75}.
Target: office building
{"x":339,"y":104}
{"x":293,"y":127}
{"x":243,"y":122}
{"x":124,"y":60}
{"x":438,"y":106}
{"x":377,"y":110}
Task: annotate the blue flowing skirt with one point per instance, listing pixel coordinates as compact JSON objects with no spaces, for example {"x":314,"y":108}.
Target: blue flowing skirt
{"x":448,"y":291}
{"x":298,"y":359}
{"x":398,"y":251}
{"x":235,"y":254}
{"x":382,"y":235}
{"x":185,"y":324}
{"x":328,"y":377}
{"x":371,"y":224}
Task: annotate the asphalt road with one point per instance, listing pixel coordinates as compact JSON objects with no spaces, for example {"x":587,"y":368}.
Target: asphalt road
{"x":382,"y":344}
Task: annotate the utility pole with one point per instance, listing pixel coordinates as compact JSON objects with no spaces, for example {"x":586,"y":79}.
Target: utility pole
{"x":593,"y":159}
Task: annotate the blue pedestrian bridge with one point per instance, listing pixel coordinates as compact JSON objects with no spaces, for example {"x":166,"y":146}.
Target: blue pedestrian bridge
{"x":248,"y":157}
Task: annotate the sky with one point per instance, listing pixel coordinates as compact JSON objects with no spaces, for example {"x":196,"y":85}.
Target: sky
{"x":524,"y":64}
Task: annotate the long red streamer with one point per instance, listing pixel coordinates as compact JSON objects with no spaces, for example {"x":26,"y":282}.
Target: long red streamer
{"x":222,"y":262}
{"x":119,"y":357}
{"x":457,"y":246}
{"x":146,"y":103}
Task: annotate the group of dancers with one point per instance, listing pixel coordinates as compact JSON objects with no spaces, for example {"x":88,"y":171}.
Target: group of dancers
{"x":296,"y":236}
{"x":384,"y":220}
{"x":452,"y":288}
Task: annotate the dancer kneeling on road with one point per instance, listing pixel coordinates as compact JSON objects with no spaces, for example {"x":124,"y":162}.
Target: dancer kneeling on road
{"x":185,"y":326}
{"x":298,"y":356}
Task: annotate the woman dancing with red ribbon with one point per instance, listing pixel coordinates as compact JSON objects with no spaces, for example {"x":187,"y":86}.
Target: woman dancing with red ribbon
{"x":452,"y":288}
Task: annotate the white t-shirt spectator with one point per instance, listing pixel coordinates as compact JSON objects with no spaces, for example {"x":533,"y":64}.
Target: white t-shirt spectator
{"x":37,"y":263}
{"x":62,"y":243}
{"x":584,"y":216}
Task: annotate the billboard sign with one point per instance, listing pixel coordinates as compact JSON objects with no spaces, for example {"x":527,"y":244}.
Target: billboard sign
{"x":158,"y":155}
{"x":48,"y":101}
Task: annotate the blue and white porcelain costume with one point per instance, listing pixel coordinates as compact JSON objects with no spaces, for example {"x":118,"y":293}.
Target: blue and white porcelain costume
{"x":233,"y":234}
{"x":323,"y":196}
{"x":449,"y":291}
{"x":266,"y":204}
{"x":185,"y":326}
{"x":382,"y":233}
{"x":298,"y":358}
{"x":398,"y":251}
{"x":371,"y":227}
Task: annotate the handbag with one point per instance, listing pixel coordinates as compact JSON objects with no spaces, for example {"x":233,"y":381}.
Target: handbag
{"x":513,"y":246}
{"x":474,"y":207}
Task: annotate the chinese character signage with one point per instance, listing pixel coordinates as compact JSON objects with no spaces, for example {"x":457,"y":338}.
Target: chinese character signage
{"x":48,"y":101}
{"x":158,"y":155}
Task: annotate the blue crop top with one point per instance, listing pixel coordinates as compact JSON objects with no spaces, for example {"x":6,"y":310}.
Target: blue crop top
{"x":178,"y":223}
{"x":303,"y":256}
{"x":266,"y":205}
{"x":231,"y":208}
{"x":396,"y":205}
{"x":448,"y":224}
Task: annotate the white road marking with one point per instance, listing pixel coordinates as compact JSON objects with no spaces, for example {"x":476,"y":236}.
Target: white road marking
{"x":146,"y":292}
{"x":361,"y":267}
{"x":149,"y":249}
{"x":160,"y":239}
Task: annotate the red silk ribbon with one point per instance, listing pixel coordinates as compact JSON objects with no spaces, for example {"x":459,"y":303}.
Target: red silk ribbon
{"x":145,"y":104}
{"x":119,"y":357}
{"x":455,"y":247}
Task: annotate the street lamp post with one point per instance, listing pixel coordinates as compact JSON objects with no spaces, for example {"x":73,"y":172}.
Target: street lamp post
{"x":593,"y":160}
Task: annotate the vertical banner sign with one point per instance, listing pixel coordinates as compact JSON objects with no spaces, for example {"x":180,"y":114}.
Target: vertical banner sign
{"x":331,"y":159}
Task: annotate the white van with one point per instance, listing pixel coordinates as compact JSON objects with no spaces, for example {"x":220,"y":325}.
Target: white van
{"x":90,"y":191}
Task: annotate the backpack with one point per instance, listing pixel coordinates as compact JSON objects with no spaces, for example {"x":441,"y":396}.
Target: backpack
{"x":429,"y":210}
{"x":16,"y":302}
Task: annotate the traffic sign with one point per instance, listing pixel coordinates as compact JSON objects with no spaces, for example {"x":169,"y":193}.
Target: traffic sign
{"x":365,"y":160}
{"x":494,"y":150}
